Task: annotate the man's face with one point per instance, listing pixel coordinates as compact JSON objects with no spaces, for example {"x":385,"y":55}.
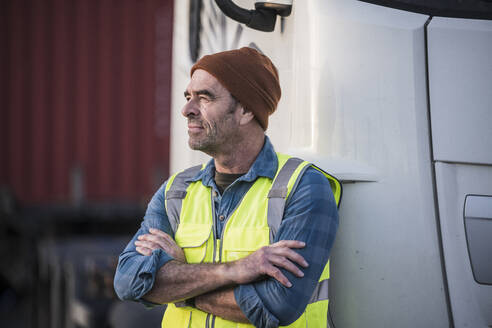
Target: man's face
{"x":211,"y":112}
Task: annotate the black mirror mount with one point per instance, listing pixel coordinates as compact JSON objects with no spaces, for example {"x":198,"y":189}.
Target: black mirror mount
{"x":263,"y":18}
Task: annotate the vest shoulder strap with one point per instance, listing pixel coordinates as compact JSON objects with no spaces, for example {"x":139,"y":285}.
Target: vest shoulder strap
{"x":278,"y":195}
{"x":335,"y":184}
{"x":176,"y":193}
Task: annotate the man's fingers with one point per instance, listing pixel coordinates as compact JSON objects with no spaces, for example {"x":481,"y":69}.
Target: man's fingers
{"x":283,"y":262}
{"x":159,"y":237}
{"x":160,"y":233}
{"x":278,"y":275}
{"x":289,"y":244}
{"x":164,"y":241}
{"x":154,"y":239}
{"x":268,"y":260}
{"x":147,"y":244}
{"x":291,"y":255}
{"x":144,"y":251}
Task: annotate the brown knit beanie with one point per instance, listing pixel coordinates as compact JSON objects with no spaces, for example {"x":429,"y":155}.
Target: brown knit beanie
{"x":249,"y":76}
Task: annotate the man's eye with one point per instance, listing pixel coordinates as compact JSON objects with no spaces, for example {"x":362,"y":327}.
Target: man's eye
{"x":204,"y":99}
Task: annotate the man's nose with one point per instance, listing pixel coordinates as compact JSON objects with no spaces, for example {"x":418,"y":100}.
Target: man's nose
{"x":190,"y":108}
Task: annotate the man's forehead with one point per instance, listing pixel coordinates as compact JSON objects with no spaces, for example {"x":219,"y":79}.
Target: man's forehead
{"x":201,"y":80}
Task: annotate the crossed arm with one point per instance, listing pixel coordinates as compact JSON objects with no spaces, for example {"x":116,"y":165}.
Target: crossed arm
{"x":213,"y":292}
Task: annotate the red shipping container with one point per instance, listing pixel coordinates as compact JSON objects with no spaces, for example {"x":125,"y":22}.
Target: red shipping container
{"x":83,"y":83}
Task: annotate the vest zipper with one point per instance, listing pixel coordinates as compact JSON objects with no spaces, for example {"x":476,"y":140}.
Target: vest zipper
{"x":222,"y":234}
{"x":214,"y":218}
{"x":213,"y":225}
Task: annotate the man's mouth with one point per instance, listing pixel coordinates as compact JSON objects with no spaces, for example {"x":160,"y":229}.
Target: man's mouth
{"x":194,"y":127}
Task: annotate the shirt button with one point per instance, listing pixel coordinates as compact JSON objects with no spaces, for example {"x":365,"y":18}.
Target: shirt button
{"x":221,"y":218}
{"x":214,"y":193}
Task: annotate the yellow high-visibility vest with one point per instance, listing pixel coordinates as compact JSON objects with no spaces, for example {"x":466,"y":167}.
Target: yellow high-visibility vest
{"x":251,"y":225}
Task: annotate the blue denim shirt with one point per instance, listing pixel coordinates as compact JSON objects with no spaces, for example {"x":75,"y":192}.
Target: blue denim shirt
{"x":310,"y":216}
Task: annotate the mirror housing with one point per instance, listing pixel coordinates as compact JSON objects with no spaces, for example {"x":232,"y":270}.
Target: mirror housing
{"x":262,"y":18}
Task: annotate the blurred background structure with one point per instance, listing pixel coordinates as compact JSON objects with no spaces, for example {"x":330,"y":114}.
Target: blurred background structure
{"x":84,"y":142}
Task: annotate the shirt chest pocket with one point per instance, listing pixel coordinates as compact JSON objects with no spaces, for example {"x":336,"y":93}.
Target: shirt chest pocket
{"x":240,"y":242}
{"x":194,"y":239}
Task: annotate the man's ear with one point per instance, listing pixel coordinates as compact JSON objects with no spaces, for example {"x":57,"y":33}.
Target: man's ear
{"x":245,"y":116}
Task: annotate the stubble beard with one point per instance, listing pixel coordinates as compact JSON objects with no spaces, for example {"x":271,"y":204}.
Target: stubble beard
{"x":204,"y":143}
{"x":213,"y":139}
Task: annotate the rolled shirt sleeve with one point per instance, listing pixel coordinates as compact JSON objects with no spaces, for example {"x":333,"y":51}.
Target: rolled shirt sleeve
{"x":310,"y":216}
{"x":135,"y":273}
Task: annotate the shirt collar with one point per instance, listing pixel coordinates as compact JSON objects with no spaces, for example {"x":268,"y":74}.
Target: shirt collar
{"x":265,"y":165}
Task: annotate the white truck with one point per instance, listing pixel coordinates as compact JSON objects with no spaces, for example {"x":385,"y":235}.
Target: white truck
{"x":396,"y":101}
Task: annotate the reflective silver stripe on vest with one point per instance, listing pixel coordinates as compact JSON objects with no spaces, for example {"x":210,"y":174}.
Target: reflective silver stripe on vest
{"x":278,"y":193}
{"x":320,"y":292}
{"x":176,"y":193}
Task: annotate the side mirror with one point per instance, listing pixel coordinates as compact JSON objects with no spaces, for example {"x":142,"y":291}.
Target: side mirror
{"x":263,"y":18}
{"x":281,"y":7}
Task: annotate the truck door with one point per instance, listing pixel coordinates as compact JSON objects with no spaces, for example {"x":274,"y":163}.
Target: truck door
{"x":460,"y":94}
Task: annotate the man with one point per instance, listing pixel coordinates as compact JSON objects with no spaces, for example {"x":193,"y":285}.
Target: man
{"x":245,"y":239}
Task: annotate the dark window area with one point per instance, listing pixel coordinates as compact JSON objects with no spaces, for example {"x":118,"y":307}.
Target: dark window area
{"x":478,"y":229}
{"x":477,"y":9}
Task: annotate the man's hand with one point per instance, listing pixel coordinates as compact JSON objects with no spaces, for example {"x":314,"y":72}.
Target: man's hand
{"x":158,"y":239}
{"x":267,"y":261}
